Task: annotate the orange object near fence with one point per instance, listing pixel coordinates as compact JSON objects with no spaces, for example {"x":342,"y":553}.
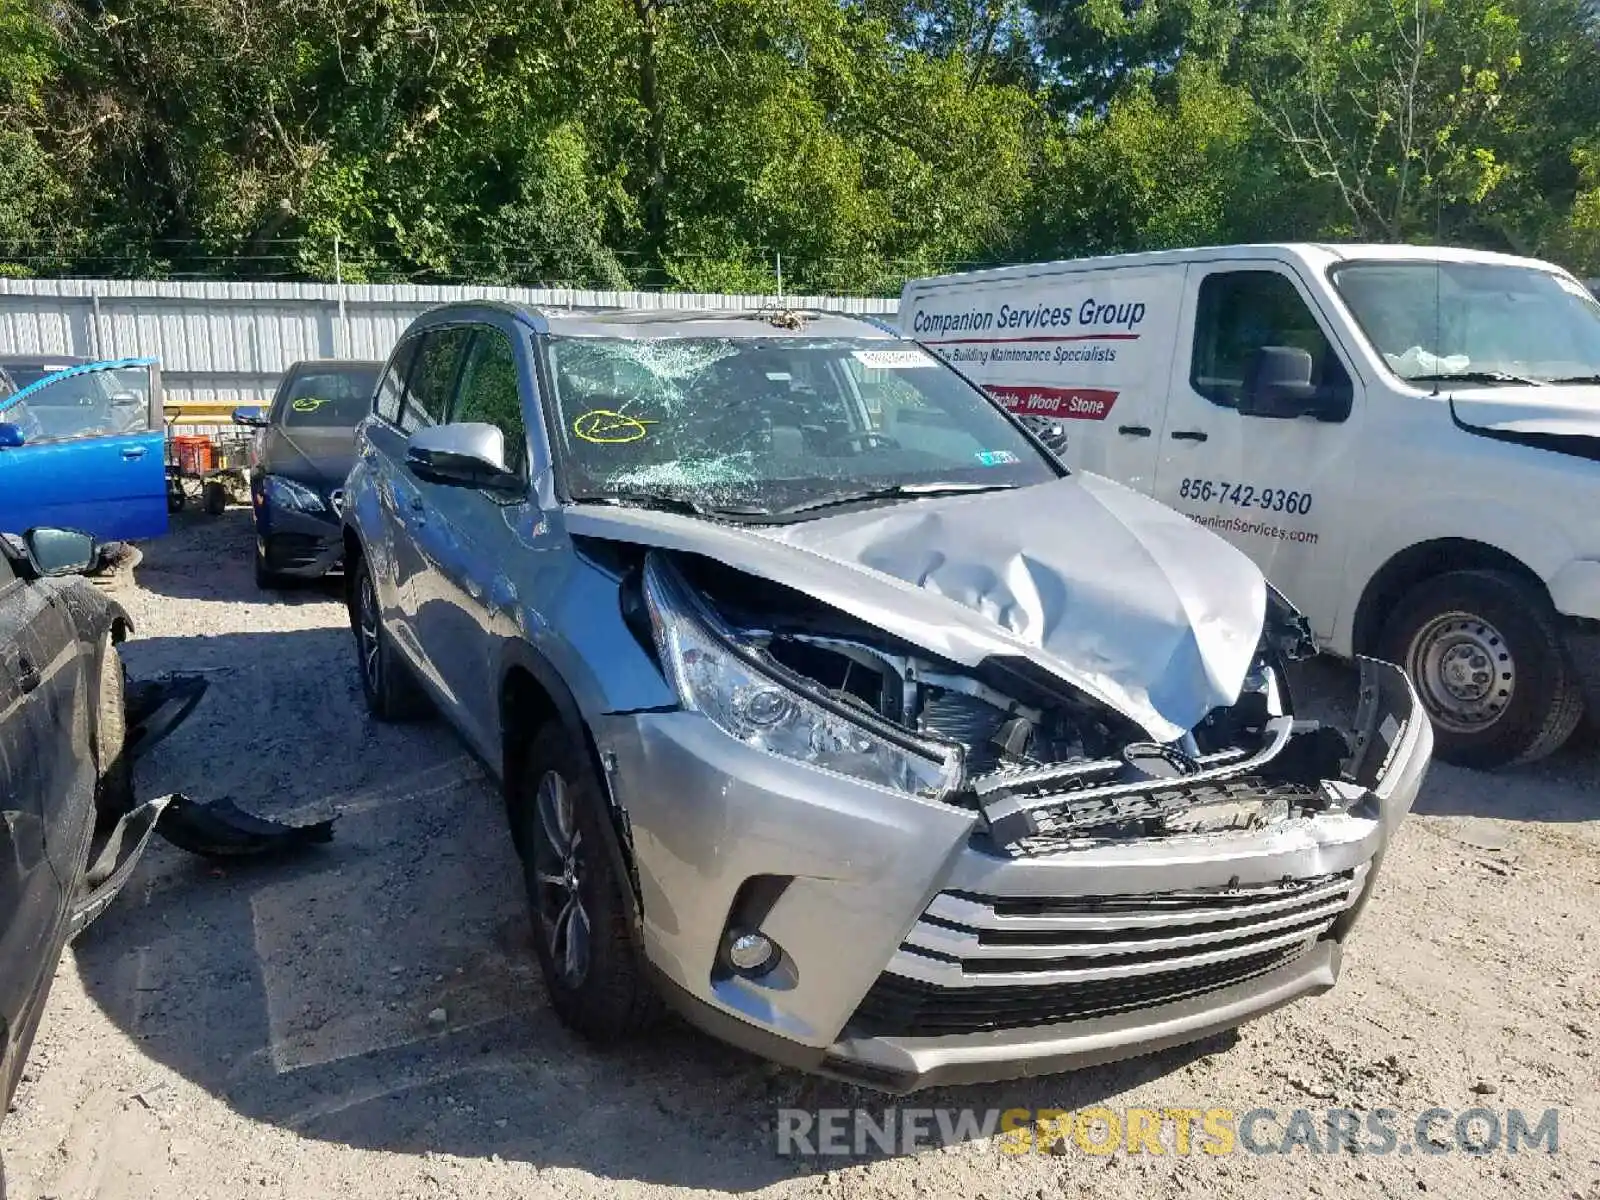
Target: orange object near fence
{"x":193,"y":453}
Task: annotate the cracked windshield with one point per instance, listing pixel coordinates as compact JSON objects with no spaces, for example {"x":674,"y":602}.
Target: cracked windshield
{"x":1479,"y":322}
{"x":755,"y":426}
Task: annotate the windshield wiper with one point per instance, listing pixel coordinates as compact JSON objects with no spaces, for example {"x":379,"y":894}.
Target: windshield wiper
{"x":678,"y":504}
{"x":1575,"y":379}
{"x":1475,"y":377}
{"x":896,"y":491}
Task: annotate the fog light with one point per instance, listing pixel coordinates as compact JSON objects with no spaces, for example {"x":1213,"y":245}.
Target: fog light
{"x":750,"y":952}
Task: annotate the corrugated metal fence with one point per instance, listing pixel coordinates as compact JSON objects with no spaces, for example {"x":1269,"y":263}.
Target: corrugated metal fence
{"x":225,"y":343}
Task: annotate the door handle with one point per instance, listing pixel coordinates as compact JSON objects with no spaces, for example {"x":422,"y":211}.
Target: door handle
{"x":1134,"y":430}
{"x":28,"y":677}
{"x":1191,"y":435}
{"x":415,"y":503}
{"x":133,"y":453}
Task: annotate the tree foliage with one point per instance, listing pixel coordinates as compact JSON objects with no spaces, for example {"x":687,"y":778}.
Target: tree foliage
{"x":711,"y":144}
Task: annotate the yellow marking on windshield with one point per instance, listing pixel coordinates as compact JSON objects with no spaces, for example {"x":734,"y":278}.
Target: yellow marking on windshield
{"x":605,"y":427}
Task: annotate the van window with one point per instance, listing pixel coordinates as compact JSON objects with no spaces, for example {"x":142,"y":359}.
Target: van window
{"x":393,"y":384}
{"x":1238,"y":313}
{"x":433,"y":379}
{"x":489,"y":393}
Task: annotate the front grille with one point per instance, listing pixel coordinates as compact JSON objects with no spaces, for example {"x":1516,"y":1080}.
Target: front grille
{"x":286,"y":551}
{"x":1071,"y":820}
{"x":974,"y":963}
{"x":897,"y":1007}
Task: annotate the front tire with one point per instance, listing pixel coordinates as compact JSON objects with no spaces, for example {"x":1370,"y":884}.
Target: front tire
{"x":391,"y":690}
{"x":592,"y":966}
{"x":270,"y":581}
{"x":1485,"y":652}
{"x":114,"y":785}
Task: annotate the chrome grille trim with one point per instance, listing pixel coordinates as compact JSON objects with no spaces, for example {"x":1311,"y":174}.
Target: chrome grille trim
{"x":965,"y":941}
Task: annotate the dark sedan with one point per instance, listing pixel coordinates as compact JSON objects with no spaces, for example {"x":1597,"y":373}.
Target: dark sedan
{"x":306,"y":450}
{"x":64,"y":774}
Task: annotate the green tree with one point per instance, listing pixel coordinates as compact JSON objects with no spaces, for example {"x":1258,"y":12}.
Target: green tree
{"x":1391,"y":104}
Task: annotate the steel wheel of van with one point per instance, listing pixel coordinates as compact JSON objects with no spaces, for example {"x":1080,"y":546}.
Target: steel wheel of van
{"x":1463,"y":667}
{"x":1485,"y":652}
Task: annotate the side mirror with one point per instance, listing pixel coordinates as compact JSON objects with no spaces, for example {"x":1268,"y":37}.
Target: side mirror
{"x":1277,"y":384}
{"x":468,"y":454}
{"x":10,"y":436}
{"x":60,"y":551}
{"x":252,"y":416}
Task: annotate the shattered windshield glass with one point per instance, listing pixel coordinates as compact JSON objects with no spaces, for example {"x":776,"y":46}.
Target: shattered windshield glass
{"x":773,"y":423}
{"x":1432,"y":321}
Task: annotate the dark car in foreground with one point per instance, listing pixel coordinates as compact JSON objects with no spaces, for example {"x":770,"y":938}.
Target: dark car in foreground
{"x":71,"y":828}
{"x":64,"y":775}
{"x":306,"y":447}
{"x":834,"y":711}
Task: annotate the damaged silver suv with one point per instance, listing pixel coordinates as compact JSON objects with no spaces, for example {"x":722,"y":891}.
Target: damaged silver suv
{"x":832,"y":711}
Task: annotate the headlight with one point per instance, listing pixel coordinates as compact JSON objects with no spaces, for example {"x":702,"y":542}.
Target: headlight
{"x":746,"y":703}
{"x":287,"y":493}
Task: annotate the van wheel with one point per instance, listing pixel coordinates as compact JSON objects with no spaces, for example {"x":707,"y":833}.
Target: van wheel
{"x":391,"y":691}
{"x":592,"y":966}
{"x":1486,"y":655}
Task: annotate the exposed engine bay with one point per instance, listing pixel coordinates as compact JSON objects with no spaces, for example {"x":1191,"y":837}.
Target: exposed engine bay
{"x":1048,"y":767}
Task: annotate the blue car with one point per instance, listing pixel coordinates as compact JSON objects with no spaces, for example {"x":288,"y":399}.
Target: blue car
{"x":83,"y":448}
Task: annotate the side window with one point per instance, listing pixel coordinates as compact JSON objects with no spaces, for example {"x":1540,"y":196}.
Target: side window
{"x":434,"y":377}
{"x":1239,"y":312}
{"x":103,"y":402}
{"x":489,"y":392}
{"x":393,"y":384}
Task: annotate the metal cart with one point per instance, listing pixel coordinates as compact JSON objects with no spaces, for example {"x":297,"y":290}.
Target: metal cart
{"x":210,"y":468}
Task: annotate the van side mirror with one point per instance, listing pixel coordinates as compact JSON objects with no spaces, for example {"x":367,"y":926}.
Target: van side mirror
{"x":10,"y":436}
{"x":1277,"y":384}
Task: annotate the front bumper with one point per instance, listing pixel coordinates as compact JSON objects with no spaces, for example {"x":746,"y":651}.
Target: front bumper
{"x":915,"y":953}
{"x":298,"y":544}
{"x":294,"y":543}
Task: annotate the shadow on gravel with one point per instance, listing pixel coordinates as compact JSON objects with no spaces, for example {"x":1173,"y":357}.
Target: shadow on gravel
{"x":380,"y":991}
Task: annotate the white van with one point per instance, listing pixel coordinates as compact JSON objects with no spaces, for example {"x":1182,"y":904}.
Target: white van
{"x":1406,"y":439}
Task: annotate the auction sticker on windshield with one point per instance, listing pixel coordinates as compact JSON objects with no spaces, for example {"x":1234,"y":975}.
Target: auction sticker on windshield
{"x":891,"y":360}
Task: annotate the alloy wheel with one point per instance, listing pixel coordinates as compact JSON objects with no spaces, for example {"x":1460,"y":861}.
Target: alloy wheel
{"x":558,"y":863}
{"x":367,"y":630}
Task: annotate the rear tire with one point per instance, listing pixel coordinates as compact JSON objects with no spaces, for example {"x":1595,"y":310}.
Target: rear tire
{"x":593,"y":969}
{"x":392,"y":691}
{"x":1485,"y":652}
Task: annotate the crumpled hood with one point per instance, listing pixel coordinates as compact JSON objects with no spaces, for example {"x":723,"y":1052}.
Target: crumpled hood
{"x":1125,"y":599}
{"x":1555,"y":411}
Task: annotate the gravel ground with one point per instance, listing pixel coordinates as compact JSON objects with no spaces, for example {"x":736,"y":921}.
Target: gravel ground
{"x":365,"y":1021}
